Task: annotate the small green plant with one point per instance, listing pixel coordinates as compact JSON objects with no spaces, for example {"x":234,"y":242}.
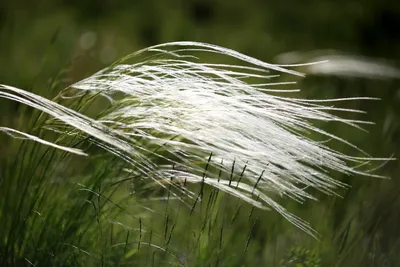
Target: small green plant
{"x":301,"y":257}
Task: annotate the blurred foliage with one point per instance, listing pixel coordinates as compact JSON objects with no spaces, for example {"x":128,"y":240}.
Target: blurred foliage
{"x":47,"y":45}
{"x":301,"y":257}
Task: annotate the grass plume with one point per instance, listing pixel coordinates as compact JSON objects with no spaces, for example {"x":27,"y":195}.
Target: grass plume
{"x":168,"y":112}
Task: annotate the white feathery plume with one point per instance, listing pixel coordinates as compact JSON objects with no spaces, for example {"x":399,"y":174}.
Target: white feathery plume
{"x":340,"y":64}
{"x":21,"y":135}
{"x":175,"y":119}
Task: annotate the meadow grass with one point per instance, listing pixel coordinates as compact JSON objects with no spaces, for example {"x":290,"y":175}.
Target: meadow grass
{"x":161,"y":159}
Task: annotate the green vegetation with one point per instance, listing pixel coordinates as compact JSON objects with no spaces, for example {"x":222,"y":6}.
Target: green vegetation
{"x":58,"y":208}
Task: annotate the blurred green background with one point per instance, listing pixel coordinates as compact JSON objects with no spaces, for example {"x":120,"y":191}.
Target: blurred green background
{"x":47,"y":45}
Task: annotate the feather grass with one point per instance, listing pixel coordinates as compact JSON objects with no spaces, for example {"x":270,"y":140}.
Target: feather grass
{"x":174,"y":118}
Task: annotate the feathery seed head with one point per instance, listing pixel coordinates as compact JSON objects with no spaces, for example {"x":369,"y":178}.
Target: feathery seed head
{"x":169,"y":111}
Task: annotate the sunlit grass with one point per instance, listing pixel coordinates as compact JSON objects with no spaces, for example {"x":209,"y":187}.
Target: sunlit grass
{"x":180,"y":155}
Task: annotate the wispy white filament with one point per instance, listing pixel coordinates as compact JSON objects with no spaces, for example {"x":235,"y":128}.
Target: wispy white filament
{"x":170,"y":112}
{"x":21,"y":135}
